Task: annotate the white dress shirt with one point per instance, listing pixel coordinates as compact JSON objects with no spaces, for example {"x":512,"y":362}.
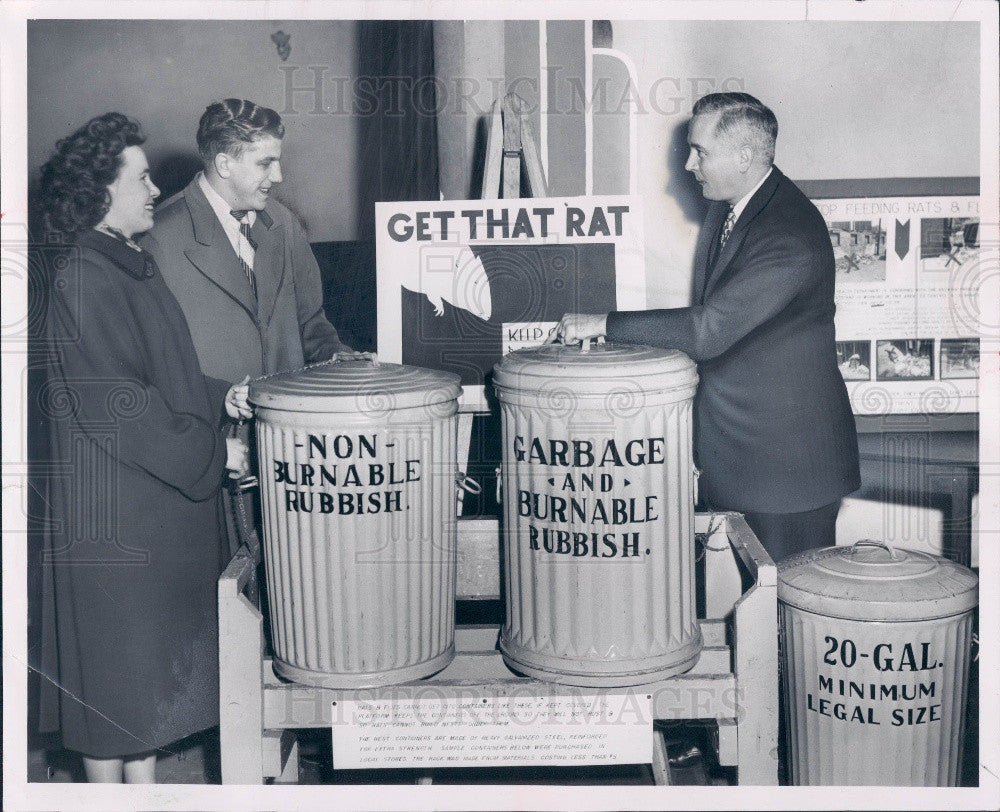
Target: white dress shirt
{"x":742,"y":202}
{"x":230,"y":225}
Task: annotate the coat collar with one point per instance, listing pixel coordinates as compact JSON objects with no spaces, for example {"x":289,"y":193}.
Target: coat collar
{"x":137,"y":264}
{"x":203,"y":215}
{"x":213,"y":254}
{"x":704,"y":275}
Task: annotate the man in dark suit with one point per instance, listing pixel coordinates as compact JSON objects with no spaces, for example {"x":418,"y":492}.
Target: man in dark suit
{"x":237,"y":260}
{"x":774,"y":433}
{"x":240,"y":266}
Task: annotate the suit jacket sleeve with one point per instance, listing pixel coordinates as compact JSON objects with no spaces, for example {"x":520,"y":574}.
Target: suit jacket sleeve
{"x":319,"y":338}
{"x":104,"y":366}
{"x":762,"y":280}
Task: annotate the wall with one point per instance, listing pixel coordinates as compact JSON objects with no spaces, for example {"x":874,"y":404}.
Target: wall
{"x":165,"y":72}
{"x":853,"y":100}
{"x":479,"y":60}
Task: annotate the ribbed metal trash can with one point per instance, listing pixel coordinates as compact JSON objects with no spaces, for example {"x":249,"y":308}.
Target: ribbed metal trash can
{"x":875,"y":646}
{"x":357,"y":478}
{"x":598,"y":493}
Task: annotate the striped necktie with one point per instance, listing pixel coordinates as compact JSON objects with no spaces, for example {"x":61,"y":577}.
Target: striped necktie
{"x":243,"y":220}
{"x":727,"y":228}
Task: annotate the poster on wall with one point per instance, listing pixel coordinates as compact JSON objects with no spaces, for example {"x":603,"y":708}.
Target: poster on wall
{"x":463,"y":282}
{"x":907,"y":290}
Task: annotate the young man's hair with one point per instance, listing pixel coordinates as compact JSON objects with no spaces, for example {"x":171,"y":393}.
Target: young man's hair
{"x":229,"y":125}
{"x":742,"y":116}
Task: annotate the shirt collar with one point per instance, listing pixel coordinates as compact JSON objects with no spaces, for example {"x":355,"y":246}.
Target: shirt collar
{"x":742,"y":202}
{"x":221,"y":208}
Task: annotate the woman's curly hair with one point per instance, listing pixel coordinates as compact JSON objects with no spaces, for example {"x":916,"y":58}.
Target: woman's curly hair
{"x":75,"y":180}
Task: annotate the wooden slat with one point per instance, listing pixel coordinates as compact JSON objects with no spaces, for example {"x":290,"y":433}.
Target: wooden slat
{"x":723,"y":578}
{"x":476,"y":638}
{"x":271,"y":752}
{"x":756,"y":671}
{"x":703,"y":521}
{"x":511,"y":146}
{"x":489,"y":666}
{"x":485,"y":637}
{"x":750,"y":550}
{"x":695,"y":697}
{"x":713,"y":632}
{"x":689,"y":696}
{"x":661,"y":763}
{"x":494,"y":155}
{"x":726,"y":743}
{"x":478,"y":559}
{"x":240,"y":690}
{"x":532,"y":164}
{"x":237,"y":574}
{"x":289,"y":760}
{"x":280,"y":756}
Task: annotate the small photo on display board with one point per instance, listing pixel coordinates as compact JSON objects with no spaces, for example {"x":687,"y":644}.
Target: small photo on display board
{"x":948,"y":243}
{"x":859,"y":248}
{"x":960,"y":358}
{"x":904,"y":360}
{"x":854,"y":360}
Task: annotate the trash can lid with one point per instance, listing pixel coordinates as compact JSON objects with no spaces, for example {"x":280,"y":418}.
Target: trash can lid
{"x":873,"y":581}
{"x":607,"y":367}
{"x":355,"y":386}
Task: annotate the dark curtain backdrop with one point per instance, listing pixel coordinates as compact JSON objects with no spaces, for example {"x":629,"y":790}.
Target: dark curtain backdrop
{"x":395,"y":105}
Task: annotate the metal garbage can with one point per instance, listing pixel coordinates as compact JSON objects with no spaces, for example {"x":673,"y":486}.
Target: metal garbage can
{"x":598,"y":492}
{"x":357,"y":477}
{"x":875,"y":646}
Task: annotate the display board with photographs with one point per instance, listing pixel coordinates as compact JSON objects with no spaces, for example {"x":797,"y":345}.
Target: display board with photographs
{"x":907,"y":281}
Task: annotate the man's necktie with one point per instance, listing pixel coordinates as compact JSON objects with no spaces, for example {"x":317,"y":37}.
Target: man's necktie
{"x":241,"y":218}
{"x":727,"y":228}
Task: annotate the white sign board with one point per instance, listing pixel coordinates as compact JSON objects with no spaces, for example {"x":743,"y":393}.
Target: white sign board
{"x":476,"y":731}
{"x":908,"y":277}
{"x":463,"y":282}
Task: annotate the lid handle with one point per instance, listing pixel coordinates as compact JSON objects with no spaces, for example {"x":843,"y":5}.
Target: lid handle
{"x":247,"y":483}
{"x":585,"y":344}
{"x":468,"y":484}
{"x":355,"y":356}
{"x":873,"y":543}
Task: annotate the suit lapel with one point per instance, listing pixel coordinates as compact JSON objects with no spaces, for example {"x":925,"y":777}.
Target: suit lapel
{"x":268,"y":263}
{"x":212,"y":253}
{"x":703,"y":249}
{"x":754,"y":206}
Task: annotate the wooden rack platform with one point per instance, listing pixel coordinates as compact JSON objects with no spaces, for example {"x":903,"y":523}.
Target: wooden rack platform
{"x":734,"y":683}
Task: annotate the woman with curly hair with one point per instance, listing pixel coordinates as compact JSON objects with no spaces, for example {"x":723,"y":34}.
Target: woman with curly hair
{"x":130,"y":651}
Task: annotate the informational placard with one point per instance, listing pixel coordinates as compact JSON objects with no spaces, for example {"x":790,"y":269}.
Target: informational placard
{"x":576,"y":729}
{"x":463,"y":282}
{"x":908,"y":276}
